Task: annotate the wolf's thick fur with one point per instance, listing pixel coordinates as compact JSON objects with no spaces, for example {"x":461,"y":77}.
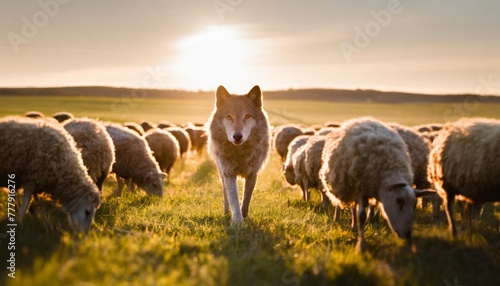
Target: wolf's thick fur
{"x":239,"y":139}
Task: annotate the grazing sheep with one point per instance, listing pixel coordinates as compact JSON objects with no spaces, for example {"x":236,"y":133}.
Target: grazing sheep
{"x":146,"y":125}
{"x":197,"y":136}
{"x":428,"y":127}
{"x":313,"y":162}
{"x":165,"y":124}
{"x":44,"y":159}
{"x":419,"y":148}
{"x":464,"y":161}
{"x":333,"y":124}
{"x":182,"y":137}
{"x":34,"y":114}
{"x":283,"y":135}
{"x":63,"y":116}
{"x":98,"y":151}
{"x":164,"y":146}
{"x":287,"y":168}
{"x":134,"y":160}
{"x":325,"y":130}
{"x":366,"y":159}
{"x":134,"y":127}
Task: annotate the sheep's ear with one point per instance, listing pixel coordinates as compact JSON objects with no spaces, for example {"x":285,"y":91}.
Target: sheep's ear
{"x":163,"y":175}
{"x":421,"y":193}
{"x":221,"y":95}
{"x":255,"y":95}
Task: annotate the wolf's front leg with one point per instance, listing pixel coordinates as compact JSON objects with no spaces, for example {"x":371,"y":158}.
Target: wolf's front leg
{"x":231,"y":190}
{"x":247,"y":195}
{"x":224,"y":193}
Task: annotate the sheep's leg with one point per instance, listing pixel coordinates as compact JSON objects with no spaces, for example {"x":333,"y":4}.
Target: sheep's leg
{"x":325,"y":201}
{"x":305,"y":190}
{"x":120,"y":182}
{"x":361,"y":214}
{"x":336,"y":216}
{"x":29,"y":190}
{"x":231,"y":188}
{"x":130,"y":185}
{"x":100,"y":181}
{"x":247,"y":195}
{"x":449,"y":213}
{"x":354,"y":226}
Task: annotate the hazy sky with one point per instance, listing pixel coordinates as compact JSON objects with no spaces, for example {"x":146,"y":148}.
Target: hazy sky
{"x":431,"y":46}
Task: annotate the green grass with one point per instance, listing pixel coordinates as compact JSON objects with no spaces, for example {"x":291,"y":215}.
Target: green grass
{"x":280,"y":111}
{"x":184,"y":238}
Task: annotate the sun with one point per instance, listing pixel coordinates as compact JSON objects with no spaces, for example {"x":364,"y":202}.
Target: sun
{"x":217,"y":55}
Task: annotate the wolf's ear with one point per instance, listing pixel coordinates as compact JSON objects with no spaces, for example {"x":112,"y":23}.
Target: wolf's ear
{"x":221,"y":95}
{"x":255,"y":96}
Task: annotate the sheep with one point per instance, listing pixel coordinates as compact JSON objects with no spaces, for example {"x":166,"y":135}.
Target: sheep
{"x":43,"y":158}
{"x":283,"y":135}
{"x":96,"y":146}
{"x":62,"y":116}
{"x":325,"y":130}
{"x":313,"y":161}
{"x":34,"y":114}
{"x":134,"y":160}
{"x":287,"y":169}
{"x":165,"y":148}
{"x":428,"y":127}
{"x":367,"y":159}
{"x":146,"y":125}
{"x":182,"y":137}
{"x":464,"y":161}
{"x":134,"y":127}
{"x":165,"y":124}
{"x":333,"y":124}
{"x":197,"y":136}
{"x":419,"y":148}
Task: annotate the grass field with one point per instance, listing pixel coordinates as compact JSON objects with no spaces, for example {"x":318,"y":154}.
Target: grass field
{"x":280,"y":111}
{"x":184,"y":238}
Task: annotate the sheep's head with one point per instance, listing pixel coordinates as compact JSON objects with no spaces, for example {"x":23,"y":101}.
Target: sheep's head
{"x":153,"y":184}
{"x":398,"y":202}
{"x":289,"y":173}
{"x":82,"y":215}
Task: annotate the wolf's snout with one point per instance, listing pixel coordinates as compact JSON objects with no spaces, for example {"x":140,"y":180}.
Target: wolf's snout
{"x":237,"y":137}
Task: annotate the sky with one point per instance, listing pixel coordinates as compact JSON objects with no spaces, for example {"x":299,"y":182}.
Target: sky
{"x":427,"y":46}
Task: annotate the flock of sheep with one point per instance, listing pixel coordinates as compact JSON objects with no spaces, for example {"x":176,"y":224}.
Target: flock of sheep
{"x":363,"y":161}
{"x":356,"y":164}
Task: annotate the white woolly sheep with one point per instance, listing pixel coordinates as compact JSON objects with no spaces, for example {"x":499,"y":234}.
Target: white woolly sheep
{"x":465,"y":161}
{"x":146,"y":125}
{"x":313,"y":151}
{"x":44,"y":159}
{"x":134,"y":160}
{"x":182,"y":137}
{"x":34,"y":114}
{"x":164,"y":146}
{"x":197,"y":136}
{"x":325,"y":130}
{"x":63,"y":116}
{"x":96,"y":146}
{"x":283,"y":135}
{"x":134,"y":127}
{"x":367,"y":159}
{"x":287,"y":168}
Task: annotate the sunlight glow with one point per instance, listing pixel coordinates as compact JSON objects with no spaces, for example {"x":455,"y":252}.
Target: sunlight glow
{"x":213,"y":57}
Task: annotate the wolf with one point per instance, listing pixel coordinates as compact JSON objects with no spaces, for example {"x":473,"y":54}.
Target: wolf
{"x":239,"y":140}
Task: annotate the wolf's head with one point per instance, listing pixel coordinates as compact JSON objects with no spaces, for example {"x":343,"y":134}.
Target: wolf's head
{"x":238,"y":113}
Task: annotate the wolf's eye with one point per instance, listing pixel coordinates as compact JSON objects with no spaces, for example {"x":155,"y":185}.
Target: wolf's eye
{"x":248,"y":116}
{"x":229,"y":117}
